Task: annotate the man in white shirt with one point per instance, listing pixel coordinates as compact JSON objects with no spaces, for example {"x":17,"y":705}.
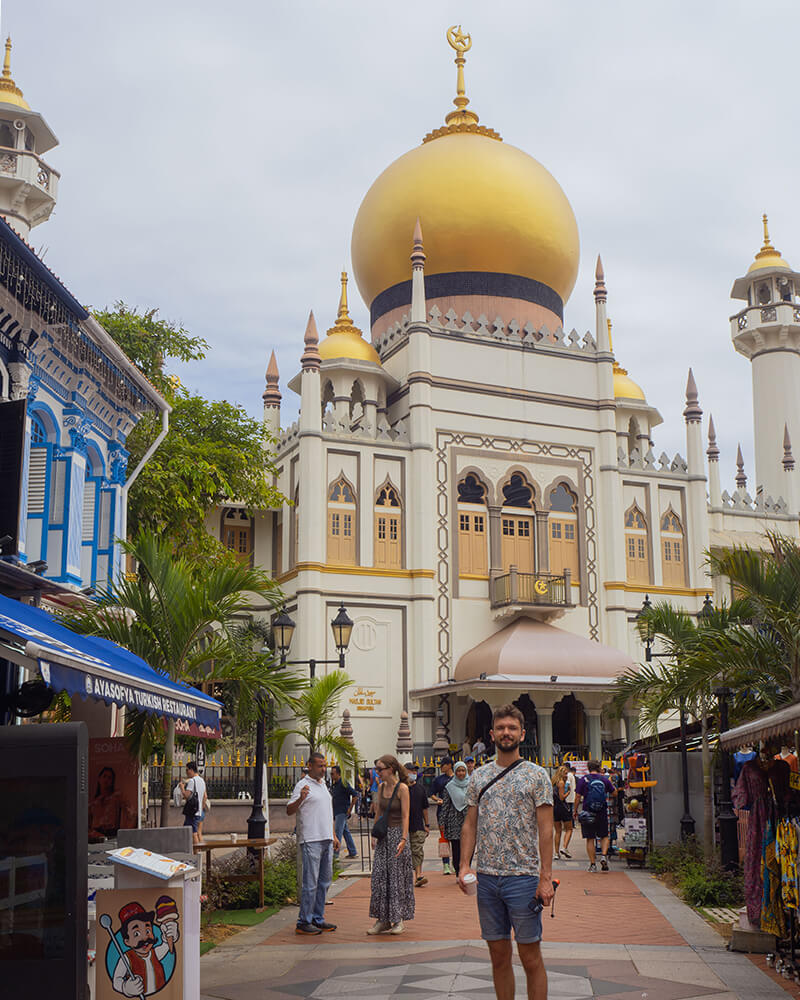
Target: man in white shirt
{"x":194,"y":783}
{"x":316,"y":838}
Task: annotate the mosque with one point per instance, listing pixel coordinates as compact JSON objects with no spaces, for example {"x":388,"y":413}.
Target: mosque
{"x":478,"y":484}
{"x":481,"y":486}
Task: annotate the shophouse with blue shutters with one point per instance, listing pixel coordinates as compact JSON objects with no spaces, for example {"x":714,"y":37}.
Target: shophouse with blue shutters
{"x":69,"y":396}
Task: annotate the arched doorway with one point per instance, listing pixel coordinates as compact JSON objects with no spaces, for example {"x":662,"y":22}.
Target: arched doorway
{"x":569,"y":727}
{"x":530,"y":745}
{"x":478,"y":722}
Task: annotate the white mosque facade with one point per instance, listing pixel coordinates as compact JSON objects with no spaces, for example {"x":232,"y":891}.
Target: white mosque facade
{"x":482,"y":487}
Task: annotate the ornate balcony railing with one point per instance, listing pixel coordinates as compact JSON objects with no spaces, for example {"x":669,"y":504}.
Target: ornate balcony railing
{"x":26,"y":166}
{"x":552,"y":590}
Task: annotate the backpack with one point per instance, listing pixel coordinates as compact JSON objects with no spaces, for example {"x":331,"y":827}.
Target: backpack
{"x":594,"y":799}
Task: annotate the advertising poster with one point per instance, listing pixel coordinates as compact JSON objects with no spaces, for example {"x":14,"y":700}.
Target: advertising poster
{"x":139,"y":950}
{"x":113,"y":788}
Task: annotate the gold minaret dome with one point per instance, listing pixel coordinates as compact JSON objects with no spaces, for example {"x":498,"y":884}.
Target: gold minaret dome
{"x":9,"y":91}
{"x":485,"y":207}
{"x":344,"y":339}
{"x":767,"y":256}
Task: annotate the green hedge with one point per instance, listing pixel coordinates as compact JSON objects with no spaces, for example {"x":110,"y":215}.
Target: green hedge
{"x":280,"y":879}
{"x":700,"y":881}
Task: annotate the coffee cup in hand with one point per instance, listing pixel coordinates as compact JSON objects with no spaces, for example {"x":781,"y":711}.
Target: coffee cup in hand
{"x":470,"y":883}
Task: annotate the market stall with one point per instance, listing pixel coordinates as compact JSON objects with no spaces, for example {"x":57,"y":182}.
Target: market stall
{"x":768,"y":790}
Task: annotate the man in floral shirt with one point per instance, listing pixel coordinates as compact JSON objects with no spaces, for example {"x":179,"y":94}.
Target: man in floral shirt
{"x":506,"y":821}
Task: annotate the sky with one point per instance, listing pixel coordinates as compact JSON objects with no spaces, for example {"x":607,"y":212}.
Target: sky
{"x":213,"y":158}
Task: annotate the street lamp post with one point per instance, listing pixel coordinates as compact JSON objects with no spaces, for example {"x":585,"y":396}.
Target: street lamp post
{"x":283,"y":630}
{"x":728,"y":834}
{"x":687,"y":820}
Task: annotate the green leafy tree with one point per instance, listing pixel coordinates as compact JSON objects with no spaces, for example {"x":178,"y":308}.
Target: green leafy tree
{"x":213,"y":452}
{"x":183,"y":617}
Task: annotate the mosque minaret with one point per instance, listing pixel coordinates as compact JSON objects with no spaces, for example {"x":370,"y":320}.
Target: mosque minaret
{"x":28,"y":185}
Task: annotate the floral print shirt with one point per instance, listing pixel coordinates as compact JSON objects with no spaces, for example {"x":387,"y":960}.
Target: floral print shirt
{"x":508,"y":834}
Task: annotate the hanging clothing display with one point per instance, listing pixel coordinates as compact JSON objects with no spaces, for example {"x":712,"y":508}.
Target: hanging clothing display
{"x":740,"y":758}
{"x":752,"y":792}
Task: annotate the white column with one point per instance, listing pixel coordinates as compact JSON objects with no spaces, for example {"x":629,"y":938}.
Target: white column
{"x":544,"y":720}
{"x":595,"y":739}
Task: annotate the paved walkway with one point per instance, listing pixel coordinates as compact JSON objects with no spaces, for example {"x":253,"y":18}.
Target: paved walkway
{"x":620,"y":936}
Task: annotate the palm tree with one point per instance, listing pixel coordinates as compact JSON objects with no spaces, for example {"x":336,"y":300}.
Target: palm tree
{"x":764,"y":653}
{"x":684,"y":679}
{"x":181,"y":617}
{"x":315,"y":713}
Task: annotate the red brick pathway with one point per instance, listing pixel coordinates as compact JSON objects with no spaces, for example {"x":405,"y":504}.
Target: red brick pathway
{"x":590,"y":908}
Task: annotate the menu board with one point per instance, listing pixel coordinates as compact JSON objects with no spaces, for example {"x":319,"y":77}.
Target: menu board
{"x":147,"y":861}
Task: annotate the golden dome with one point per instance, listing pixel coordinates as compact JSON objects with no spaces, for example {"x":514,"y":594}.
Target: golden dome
{"x":344,"y":338}
{"x":625,"y":387}
{"x":9,"y":91}
{"x":767,"y":256}
{"x":484,"y":206}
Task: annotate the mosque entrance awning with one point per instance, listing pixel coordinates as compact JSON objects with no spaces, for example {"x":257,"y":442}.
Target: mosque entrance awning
{"x":96,"y":668}
{"x":530,"y":654}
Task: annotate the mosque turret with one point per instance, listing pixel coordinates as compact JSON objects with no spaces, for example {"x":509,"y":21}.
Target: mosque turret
{"x":712,"y":453}
{"x":28,"y":185}
{"x":697,"y":507}
{"x":789,"y":489}
{"x":272,"y":398}
{"x":767,"y":332}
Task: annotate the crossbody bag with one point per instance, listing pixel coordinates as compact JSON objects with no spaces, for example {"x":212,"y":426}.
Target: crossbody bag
{"x":497,"y":778}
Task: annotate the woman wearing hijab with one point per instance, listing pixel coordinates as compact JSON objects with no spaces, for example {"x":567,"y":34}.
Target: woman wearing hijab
{"x":454,"y":810}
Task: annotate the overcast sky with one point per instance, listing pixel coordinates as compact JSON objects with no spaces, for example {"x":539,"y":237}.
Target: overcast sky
{"x":213,"y":157}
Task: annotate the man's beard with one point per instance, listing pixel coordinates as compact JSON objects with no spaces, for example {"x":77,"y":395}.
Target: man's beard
{"x":508,"y":743}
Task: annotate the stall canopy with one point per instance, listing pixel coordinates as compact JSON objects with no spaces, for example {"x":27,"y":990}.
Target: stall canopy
{"x":771,"y":726}
{"x":96,"y":668}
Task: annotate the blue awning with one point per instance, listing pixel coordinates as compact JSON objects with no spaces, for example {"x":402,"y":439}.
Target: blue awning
{"x":96,"y":668}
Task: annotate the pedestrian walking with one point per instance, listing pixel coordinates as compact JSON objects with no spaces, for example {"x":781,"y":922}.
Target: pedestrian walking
{"x":454,"y":810}
{"x":478,"y":748}
{"x":469,"y":760}
{"x":438,"y":785}
{"x":316,"y":839}
{"x":343,"y":797}
{"x":418,"y":828}
{"x":591,"y":811}
{"x":509,"y":815}
{"x":562,"y":814}
{"x":392,"y":896}
{"x":195,"y":808}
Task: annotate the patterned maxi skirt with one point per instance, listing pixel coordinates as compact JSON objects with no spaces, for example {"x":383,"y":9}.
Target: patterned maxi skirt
{"x":392,"y":897}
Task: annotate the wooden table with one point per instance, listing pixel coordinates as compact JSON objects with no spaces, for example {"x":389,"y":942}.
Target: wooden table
{"x":258,"y":844}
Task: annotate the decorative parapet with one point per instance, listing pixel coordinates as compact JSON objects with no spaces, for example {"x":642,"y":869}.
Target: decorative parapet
{"x":648,"y":463}
{"x":740,"y":500}
{"x":467,"y":326}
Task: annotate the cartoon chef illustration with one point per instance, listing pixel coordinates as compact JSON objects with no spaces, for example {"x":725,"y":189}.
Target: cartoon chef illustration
{"x":139,"y":971}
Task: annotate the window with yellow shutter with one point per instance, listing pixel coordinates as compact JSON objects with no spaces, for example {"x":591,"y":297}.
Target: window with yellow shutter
{"x":388,"y":553}
{"x":473,"y":557}
{"x":342,"y":512}
{"x":637,"y":563}
{"x":672,"y":550}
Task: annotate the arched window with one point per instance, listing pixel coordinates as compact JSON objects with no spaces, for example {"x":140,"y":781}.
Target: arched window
{"x":388,"y":528}
{"x":237,"y":533}
{"x":636,"y":560}
{"x":327,"y":399}
{"x":673,"y":562}
{"x":563,"y":522}
{"x":473,"y":559}
{"x":517,"y":525}
{"x":341,"y":523}
{"x":356,"y":404}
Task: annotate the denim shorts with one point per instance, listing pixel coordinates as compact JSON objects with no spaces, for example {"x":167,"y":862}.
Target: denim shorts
{"x":503,"y":903}
{"x":193,"y":821}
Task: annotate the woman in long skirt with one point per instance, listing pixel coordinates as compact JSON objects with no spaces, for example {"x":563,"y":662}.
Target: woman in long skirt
{"x":392,"y":898}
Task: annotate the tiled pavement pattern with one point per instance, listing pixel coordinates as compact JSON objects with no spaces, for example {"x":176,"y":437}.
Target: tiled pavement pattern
{"x":621,"y":936}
